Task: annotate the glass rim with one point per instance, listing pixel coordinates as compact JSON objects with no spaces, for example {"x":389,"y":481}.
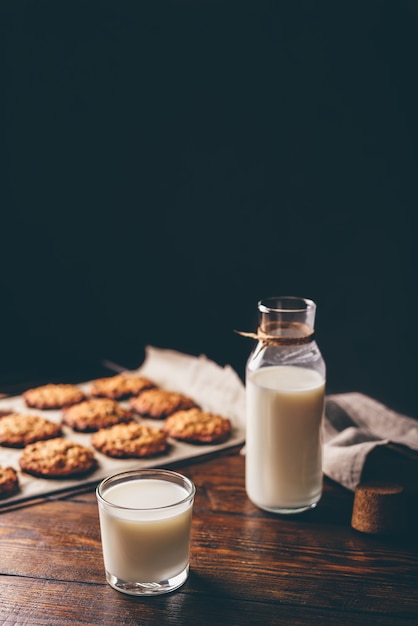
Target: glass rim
{"x":147,"y":472}
{"x":265,"y":305}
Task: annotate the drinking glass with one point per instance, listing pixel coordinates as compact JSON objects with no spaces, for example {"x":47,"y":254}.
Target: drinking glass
{"x":145,"y":522}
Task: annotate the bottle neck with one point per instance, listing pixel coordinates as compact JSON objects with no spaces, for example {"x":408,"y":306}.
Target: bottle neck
{"x":287,"y":317}
{"x":285,"y":333}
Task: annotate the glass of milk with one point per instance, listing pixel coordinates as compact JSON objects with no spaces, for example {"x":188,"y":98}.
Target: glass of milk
{"x":145,"y":522}
{"x":285,"y":388}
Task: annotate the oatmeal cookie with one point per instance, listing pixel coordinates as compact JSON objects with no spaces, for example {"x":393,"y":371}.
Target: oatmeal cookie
{"x":57,"y":458}
{"x":196,"y":426}
{"x":17,"y":430}
{"x":91,"y":415}
{"x":159,"y":403}
{"x":120,"y":386}
{"x":53,"y":396}
{"x":130,"y":441}
{"x":9,"y":482}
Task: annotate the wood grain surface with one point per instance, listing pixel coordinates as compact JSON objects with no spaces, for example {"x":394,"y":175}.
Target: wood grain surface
{"x":247,"y":566}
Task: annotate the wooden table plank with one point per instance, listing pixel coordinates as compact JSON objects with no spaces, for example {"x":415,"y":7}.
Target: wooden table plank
{"x":247,"y":566}
{"x":56,"y":603}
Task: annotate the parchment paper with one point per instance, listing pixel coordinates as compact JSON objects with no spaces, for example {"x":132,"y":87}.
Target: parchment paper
{"x":217,"y":389}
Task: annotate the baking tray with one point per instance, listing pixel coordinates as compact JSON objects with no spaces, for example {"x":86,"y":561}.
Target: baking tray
{"x":33,"y":488}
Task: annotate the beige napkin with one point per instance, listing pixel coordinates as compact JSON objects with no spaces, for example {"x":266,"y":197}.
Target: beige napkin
{"x":354,"y":426}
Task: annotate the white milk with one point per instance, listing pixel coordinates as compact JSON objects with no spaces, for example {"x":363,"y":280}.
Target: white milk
{"x":150,"y":544}
{"x":283,"y":444}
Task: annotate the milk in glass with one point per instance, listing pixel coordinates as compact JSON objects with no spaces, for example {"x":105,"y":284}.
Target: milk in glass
{"x":285,"y":388}
{"x":145,"y":528}
{"x":284,"y":446}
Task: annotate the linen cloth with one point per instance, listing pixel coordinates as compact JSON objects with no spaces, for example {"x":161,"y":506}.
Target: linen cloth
{"x":354,"y":424}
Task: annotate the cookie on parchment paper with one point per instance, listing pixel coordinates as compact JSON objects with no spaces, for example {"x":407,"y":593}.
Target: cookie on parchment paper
{"x":57,"y":458}
{"x":120,"y":386}
{"x":53,"y":396}
{"x":131,"y":440}
{"x":92,"y":415}
{"x":159,"y":403}
{"x":196,"y":426}
{"x":9,"y":482}
{"x":17,"y":430}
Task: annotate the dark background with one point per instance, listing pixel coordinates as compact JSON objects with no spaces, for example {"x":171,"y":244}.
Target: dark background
{"x":168,"y":164}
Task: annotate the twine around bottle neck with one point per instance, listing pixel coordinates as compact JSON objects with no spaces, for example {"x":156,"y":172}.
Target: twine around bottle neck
{"x":303,"y":334}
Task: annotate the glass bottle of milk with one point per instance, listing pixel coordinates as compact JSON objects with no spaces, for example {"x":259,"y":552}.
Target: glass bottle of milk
{"x":285,"y":389}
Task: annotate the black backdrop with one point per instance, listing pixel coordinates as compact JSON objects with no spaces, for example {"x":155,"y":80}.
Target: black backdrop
{"x":167,"y":164}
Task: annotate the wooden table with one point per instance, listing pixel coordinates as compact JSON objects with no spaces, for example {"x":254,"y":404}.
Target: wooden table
{"x":247,"y":566}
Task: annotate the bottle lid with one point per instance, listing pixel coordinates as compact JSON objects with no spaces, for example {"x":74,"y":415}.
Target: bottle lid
{"x":379,"y":508}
